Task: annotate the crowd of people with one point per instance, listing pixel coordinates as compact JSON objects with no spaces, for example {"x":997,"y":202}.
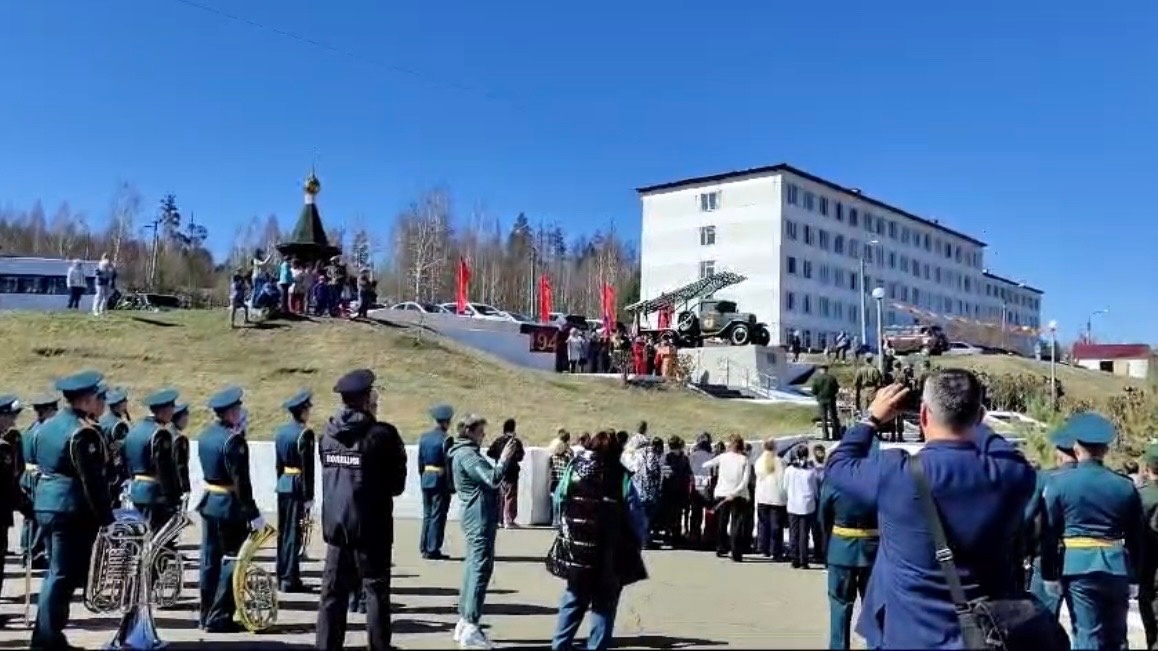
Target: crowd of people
{"x":104,"y":284}
{"x":323,"y":288}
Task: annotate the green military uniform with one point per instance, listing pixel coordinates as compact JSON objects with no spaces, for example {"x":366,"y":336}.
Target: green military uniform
{"x":294,"y":446}
{"x":824,"y":389}
{"x":866,"y":383}
{"x":32,"y":540}
{"x":1092,"y":541}
{"x":850,"y":528}
{"x":1035,"y":524}
{"x":151,"y":464}
{"x":114,"y":427}
{"x":918,"y":390}
{"x":227,"y":509}
{"x":72,"y":501}
{"x":1148,"y":581}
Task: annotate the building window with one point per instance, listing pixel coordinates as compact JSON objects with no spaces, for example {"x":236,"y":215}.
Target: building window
{"x":823,"y":239}
{"x":928,"y":240}
{"x":852,"y":281}
{"x":790,"y":229}
{"x":838,"y":310}
{"x":905,"y":235}
{"x":838,"y":244}
{"x":880,"y":226}
{"x":808,"y":235}
{"x":792,"y":265}
{"x":853,"y":314}
{"x":893,"y":230}
{"x":807,"y":271}
{"x":892,"y":260}
{"x":839,"y":211}
{"x":790,"y":301}
{"x":793,"y":194}
{"x":807,"y":305}
{"x":852,"y":217}
{"x":825,"y":307}
{"x":825,"y":274}
{"x":709,"y":201}
{"x":824,"y":206}
{"x":905,"y":263}
{"x":707,"y":235}
{"x":707,"y":268}
{"x":809,"y":201}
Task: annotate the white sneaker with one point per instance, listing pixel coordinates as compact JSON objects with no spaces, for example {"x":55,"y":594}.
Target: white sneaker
{"x":474,"y":638}
{"x":458,"y":629}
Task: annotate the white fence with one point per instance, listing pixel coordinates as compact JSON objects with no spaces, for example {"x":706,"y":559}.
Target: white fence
{"x":534,"y":502}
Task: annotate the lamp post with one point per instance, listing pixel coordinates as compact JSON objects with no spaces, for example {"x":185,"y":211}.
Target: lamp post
{"x":1053,"y":365}
{"x":879,"y":295}
{"x":1090,"y":324}
{"x":864,"y":294}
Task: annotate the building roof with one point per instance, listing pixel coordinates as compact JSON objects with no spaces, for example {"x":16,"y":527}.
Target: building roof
{"x":993,"y":276}
{"x":1112,"y":351}
{"x":784,"y":167}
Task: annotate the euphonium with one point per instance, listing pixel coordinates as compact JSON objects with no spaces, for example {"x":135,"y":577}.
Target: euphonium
{"x":254,"y":588}
{"x":167,"y":563}
{"x":115,"y":564}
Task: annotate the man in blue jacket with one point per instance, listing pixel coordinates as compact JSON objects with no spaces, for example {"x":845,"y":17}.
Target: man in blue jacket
{"x":434,"y":476}
{"x":981,"y":485}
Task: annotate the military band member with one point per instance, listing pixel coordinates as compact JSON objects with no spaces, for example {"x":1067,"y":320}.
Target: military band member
{"x":850,"y":528}
{"x":32,"y":540}
{"x":115,"y":424}
{"x":435,"y":481}
{"x":363,"y":469}
{"x":11,"y":468}
{"x":1092,"y":543}
{"x":294,"y":444}
{"x":1148,"y":583}
{"x":227,"y":508}
{"x":71,"y":500}
{"x":151,"y":464}
{"x":1064,"y":461}
{"x":181,"y":447}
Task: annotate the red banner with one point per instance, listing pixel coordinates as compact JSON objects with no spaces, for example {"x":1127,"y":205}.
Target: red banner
{"x":463,"y":282}
{"x":664,"y":317}
{"x":544,"y":299}
{"x":608,"y":295}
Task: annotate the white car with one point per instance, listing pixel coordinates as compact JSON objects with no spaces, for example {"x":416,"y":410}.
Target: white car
{"x":477,"y":311}
{"x":517,"y":317}
{"x":962,"y":348}
{"x":425,"y":308}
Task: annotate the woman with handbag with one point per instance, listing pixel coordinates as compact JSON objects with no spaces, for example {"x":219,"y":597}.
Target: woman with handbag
{"x":598,"y":550}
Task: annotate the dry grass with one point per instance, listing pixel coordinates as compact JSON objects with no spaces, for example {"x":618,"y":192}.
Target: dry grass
{"x":197,"y":353}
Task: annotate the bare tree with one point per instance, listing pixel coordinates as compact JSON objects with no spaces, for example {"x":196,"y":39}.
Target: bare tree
{"x":421,"y":238}
{"x":126,"y":206}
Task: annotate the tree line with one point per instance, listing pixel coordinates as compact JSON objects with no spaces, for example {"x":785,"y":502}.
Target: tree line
{"x":414,"y":255}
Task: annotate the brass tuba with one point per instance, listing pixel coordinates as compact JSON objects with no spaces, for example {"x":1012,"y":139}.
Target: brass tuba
{"x":115,"y":564}
{"x":254,"y":588}
{"x":305,"y":532}
{"x":167,"y":563}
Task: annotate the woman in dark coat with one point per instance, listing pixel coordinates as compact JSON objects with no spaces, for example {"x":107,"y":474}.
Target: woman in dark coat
{"x":598,"y":550}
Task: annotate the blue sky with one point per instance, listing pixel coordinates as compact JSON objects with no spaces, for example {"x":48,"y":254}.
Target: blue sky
{"x":1029,"y":124}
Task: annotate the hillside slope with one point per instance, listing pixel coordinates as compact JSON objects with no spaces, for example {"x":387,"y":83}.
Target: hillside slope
{"x":197,"y":353}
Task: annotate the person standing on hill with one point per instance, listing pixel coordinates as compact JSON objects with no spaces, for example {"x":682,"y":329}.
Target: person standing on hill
{"x":509,"y":489}
{"x":825,"y":388}
{"x":866,"y":383}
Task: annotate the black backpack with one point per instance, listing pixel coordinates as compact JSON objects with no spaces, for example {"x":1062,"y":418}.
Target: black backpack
{"x":1018,"y":624}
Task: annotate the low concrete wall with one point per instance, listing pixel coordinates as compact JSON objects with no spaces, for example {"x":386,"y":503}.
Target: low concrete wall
{"x":500,"y":339}
{"x":534,"y":502}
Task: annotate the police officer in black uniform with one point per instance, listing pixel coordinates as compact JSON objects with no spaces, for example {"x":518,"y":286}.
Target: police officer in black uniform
{"x":363,"y":468}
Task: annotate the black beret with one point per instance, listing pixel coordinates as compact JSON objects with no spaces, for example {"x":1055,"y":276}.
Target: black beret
{"x":359,"y":381}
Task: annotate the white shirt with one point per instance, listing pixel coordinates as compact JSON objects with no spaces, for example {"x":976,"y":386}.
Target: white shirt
{"x":733,"y":476}
{"x":770,"y":485}
{"x":801,"y":485}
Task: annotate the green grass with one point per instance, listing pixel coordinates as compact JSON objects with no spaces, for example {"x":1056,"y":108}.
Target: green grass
{"x":197,"y":353}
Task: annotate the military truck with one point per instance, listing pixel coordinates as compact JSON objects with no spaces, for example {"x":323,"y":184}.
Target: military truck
{"x":923,"y":339}
{"x":710,"y":318}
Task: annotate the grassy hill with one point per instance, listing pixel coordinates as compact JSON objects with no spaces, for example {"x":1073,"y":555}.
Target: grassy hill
{"x":197,"y":353}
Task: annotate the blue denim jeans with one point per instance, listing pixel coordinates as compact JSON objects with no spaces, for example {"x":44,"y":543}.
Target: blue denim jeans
{"x":602,"y":602}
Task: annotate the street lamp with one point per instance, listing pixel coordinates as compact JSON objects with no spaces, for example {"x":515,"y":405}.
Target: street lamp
{"x":1090,"y":325}
{"x":1053,"y":364}
{"x":879,"y":295}
{"x":864,"y":294}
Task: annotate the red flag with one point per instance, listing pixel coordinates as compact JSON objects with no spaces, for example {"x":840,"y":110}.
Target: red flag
{"x":462,"y":285}
{"x":665,"y":317}
{"x":608,"y":307}
{"x":544,"y":299}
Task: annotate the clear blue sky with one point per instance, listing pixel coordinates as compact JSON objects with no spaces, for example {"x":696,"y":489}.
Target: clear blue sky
{"x":1029,"y":124}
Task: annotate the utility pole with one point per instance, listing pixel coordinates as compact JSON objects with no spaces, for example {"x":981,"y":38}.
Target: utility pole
{"x":154,"y":226}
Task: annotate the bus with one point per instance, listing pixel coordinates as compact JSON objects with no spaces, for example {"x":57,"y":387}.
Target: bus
{"x":41,"y":284}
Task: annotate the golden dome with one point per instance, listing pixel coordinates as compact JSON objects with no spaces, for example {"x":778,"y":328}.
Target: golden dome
{"x":313,"y":185}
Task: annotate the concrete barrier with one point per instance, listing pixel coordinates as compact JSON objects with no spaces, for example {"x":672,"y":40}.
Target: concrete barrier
{"x":534,"y":502}
{"x":500,"y":339}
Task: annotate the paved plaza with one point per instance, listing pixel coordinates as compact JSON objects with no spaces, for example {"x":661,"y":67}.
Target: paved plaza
{"x":691,"y":600}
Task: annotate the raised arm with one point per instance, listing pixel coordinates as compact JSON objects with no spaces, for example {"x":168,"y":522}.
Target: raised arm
{"x":856,"y":466}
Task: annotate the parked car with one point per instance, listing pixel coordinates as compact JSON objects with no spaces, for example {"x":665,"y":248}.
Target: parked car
{"x":477,"y":311}
{"x":962,"y":348}
{"x":517,"y":317}
{"x":425,"y":308}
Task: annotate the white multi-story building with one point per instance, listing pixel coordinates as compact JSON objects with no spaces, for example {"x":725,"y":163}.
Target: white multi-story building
{"x":801,"y":240}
